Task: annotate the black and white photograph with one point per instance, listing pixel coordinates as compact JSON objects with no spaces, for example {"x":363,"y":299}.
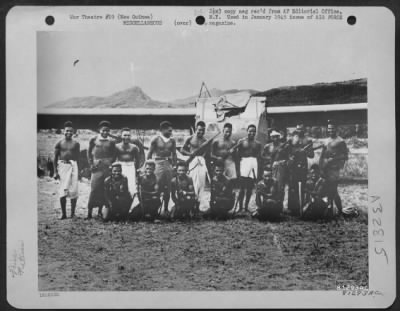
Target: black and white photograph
{"x":218,"y":150}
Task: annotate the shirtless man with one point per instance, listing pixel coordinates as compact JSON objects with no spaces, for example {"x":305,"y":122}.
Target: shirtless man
{"x":221,"y":150}
{"x":163,"y":152}
{"x":299,"y":151}
{"x":333,"y":157}
{"x":249,"y":155}
{"x":276,"y":156}
{"x":135,"y":141}
{"x":197,"y":167}
{"x":66,"y":162}
{"x":101,"y":154}
{"x":128,"y":156}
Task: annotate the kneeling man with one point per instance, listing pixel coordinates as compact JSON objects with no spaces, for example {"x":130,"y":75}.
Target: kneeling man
{"x":316,"y":196}
{"x":222,"y":195}
{"x":268,"y":198}
{"x":182,"y":192}
{"x":117,"y":196}
{"x":149,"y":194}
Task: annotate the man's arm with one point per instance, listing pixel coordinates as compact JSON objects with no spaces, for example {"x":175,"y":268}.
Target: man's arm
{"x":173,"y":191}
{"x":266,"y":155}
{"x":258,"y":196}
{"x":77,"y":153}
{"x":186,"y":147}
{"x":152,"y":148}
{"x":310,"y":151}
{"x":140,"y":146}
{"x":173,"y":153}
{"x":55,"y":163}
{"x":213,"y":149}
{"x":190,"y":188}
{"x":89,"y":152}
{"x":136,"y":157}
{"x":113,"y":151}
{"x":107,"y":195}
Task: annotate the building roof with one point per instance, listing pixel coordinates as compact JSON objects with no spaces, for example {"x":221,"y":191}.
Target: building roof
{"x":317,"y":108}
{"x":120,"y":111}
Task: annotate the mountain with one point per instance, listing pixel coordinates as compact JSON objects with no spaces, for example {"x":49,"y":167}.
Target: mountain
{"x":351,"y":91}
{"x":130,"y":98}
{"x":133,"y":97}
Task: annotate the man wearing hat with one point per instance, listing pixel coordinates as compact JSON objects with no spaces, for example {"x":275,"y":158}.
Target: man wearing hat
{"x":66,"y":158}
{"x":332,"y":160}
{"x":163,"y":152}
{"x":300,"y":150}
{"x":276,"y":156}
{"x":101,"y":154}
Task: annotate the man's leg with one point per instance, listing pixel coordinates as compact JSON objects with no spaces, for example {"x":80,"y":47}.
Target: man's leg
{"x":73,"y":207}
{"x":249,"y":192}
{"x":242,"y":183}
{"x":293,"y":196}
{"x":89,"y":214}
{"x":336,"y":197}
{"x":63,"y":202}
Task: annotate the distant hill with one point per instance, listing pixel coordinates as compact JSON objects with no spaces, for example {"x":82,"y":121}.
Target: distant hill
{"x":130,"y":98}
{"x":352,"y":91}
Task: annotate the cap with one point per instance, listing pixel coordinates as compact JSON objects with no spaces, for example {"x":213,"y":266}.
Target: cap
{"x":275,"y":133}
{"x":68,"y":124}
{"x":104,"y":124}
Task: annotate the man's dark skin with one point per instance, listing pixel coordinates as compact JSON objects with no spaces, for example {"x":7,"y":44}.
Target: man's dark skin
{"x":126,"y":151}
{"x":193,"y":142}
{"x":298,"y":168}
{"x":335,"y":154}
{"x":221,"y":148}
{"x":96,"y":153}
{"x":248,"y":147}
{"x":161,"y":149}
{"x":134,"y":141}
{"x":66,"y":149}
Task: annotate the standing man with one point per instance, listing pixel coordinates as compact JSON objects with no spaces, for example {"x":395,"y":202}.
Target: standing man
{"x":222,"y":150}
{"x":276,"y":156}
{"x":249,"y":155}
{"x":134,"y":141}
{"x":66,"y":162}
{"x":128,"y":156}
{"x":163,"y":151}
{"x":300,"y":150}
{"x":197,"y":167}
{"x":101,"y":154}
{"x":332,"y":160}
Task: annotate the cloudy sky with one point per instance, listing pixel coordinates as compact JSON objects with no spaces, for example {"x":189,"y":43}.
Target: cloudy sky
{"x":170,"y":64}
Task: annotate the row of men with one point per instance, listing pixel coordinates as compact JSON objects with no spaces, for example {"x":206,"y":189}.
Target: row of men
{"x":244,"y":159}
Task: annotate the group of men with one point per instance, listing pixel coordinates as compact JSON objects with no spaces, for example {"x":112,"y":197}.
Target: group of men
{"x":121,"y":176}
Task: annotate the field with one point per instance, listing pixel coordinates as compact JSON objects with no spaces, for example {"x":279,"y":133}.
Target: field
{"x":237,"y":254}
{"x":241,"y":253}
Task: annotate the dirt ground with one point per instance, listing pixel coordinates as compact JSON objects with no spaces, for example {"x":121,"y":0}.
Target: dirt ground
{"x":237,"y":254}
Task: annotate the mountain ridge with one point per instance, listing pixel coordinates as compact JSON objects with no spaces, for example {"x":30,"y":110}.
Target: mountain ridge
{"x":350,"y":91}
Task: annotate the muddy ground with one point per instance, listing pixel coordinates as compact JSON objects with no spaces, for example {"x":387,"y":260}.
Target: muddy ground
{"x":238,"y":254}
